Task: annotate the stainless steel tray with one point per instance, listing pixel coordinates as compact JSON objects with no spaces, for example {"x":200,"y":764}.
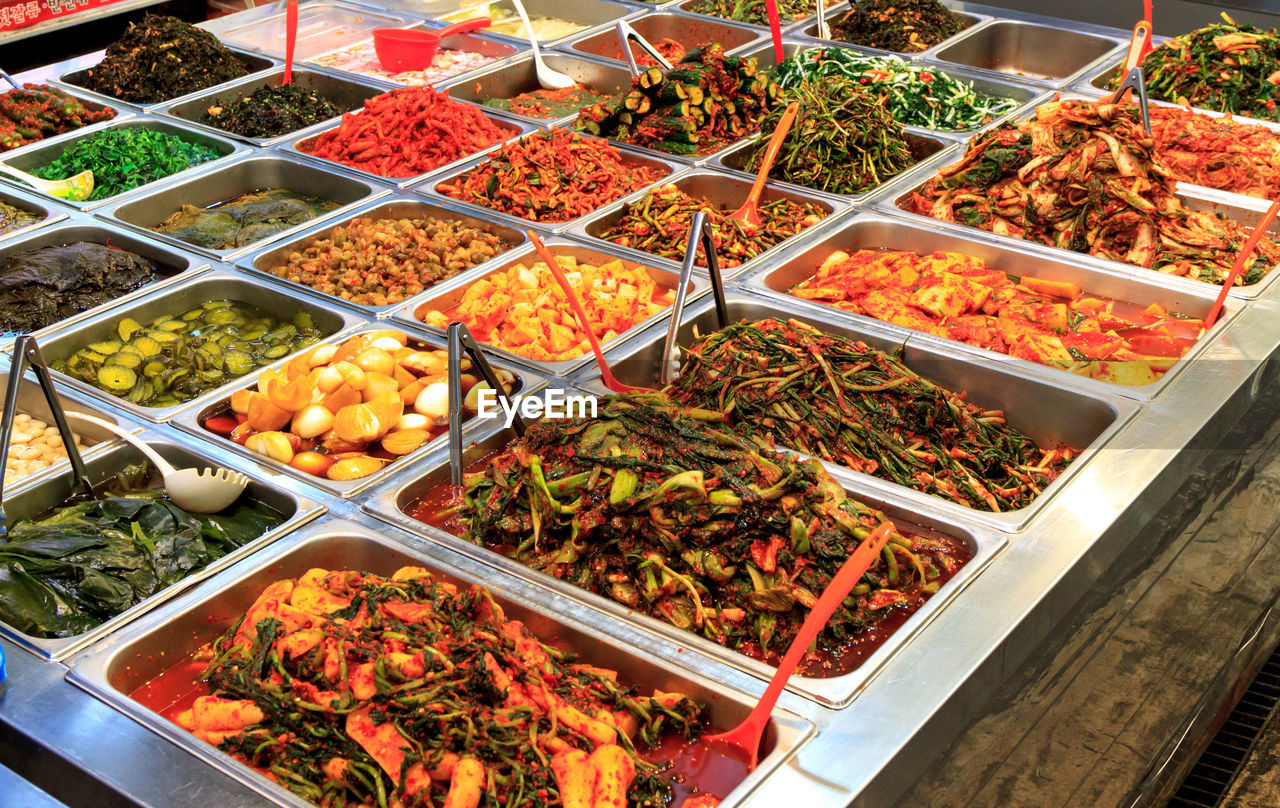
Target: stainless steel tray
{"x":1032,"y":52}
{"x":724,"y":191}
{"x":79,"y":68}
{"x":31,"y":401}
{"x":344,"y":92}
{"x":926,"y":148}
{"x":190,"y":420}
{"x":395,"y":207}
{"x":302,"y":145}
{"x":687,"y":29}
{"x":222,"y":184}
{"x":29,"y":202}
{"x":388,"y":503}
{"x":631,"y":156}
{"x":509,"y":79}
{"x":120,"y":666}
{"x":171,"y":266}
{"x":322,"y":27}
{"x":885,"y":232}
{"x":1245,"y":210}
{"x":41,"y":154}
{"x":589,"y":13}
{"x":37,"y":499}
{"x":447,"y":295}
{"x":216,"y":284}
{"x":1053,"y":411}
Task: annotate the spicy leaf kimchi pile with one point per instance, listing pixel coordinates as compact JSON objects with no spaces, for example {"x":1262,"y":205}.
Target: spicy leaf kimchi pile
{"x":1081,"y":176}
{"x":352,"y":689}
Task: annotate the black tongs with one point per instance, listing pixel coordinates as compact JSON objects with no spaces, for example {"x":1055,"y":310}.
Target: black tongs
{"x":460,"y":341}
{"x":26,"y":351}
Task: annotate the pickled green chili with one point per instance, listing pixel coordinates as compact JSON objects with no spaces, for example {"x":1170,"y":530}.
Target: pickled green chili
{"x":914,"y":94}
{"x":1225,"y":67}
{"x":38,"y":111}
{"x":840,"y":400}
{"x":659,"y":224}
{"x":843,"y":141}
{"x":666,"y":510}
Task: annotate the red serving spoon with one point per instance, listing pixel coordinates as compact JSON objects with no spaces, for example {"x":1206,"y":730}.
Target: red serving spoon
{"x":290,"y":39}
{"x":552,"y":264}
{"x":746,"y":736}
{"x":775,"y":25}
{"x":401,"y":49}
{"x":1259,"y":230}
{"x":749,"y":213}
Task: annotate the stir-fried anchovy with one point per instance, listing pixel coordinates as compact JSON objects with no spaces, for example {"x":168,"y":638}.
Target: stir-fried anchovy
{"x":1081,"y":175}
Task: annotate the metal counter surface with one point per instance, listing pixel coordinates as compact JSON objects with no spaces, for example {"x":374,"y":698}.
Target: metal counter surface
{"x":1026,"y":688}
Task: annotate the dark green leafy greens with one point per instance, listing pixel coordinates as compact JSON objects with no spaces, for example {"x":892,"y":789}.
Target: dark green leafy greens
{"x":124,"y":158}
{"x":81,"y":565}
{"x":271,"y":111}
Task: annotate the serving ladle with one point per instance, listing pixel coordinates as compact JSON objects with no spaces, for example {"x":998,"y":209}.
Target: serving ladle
{"x":749,"y":213}
{"x":199,"y":491}
{"x":76,"y":188}
{"x":548,"y":78}
{"x":745,"y":738}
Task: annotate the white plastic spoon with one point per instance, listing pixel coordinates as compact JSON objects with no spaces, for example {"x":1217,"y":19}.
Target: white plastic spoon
{"x":76,"y":188}
{"x":204,"y":491}
{"x":548,"y":78}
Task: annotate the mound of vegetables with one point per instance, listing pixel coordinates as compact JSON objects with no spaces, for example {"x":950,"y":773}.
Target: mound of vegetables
{"x":838,"y":399}
{"x":668,"y":512}
{"x":1081,"y":176}
{"x":124,"y":158}
{"x":68,"y":571}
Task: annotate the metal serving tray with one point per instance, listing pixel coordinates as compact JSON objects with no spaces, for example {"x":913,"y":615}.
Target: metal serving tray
{"x":809,"y":28}
{"x":344,"y":93}
{"x":388,"y":503}
{"x":73,"y":78}
{"x":38,"y":499}
{"x":1053,"y":411}
{"x":217,"y":284}
{"x":190,"y":420}
{"x":30,"y":203}
{"x":171,"y":267}
{"x":302,"y":146}
{"x":687,"y":29}
{"x":723,"y":191}
{"x":395,"y":207}
{"x":631,"y":156}
{"x":450,"y":294}
{"x":255,"y":173}
{"x":31,"y":401}
{"x":1245,"y":210}
{"x":467,"y":43}
{"x":925,"y":148}
{"x":322,"y":27}
{"x":880,"y":232}
{"x":117,"y":668}
{"x":588,"y":13}
{"x":518,"y":76}
{"x":1037,"y":53}
{"x":42,"y":154}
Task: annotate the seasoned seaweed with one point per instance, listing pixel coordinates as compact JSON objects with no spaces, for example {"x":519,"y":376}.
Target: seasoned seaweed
{"x":245,"y":219}
{"x":161,"y":58}
{"x":271,"y":111}
{"x":41,"y":287}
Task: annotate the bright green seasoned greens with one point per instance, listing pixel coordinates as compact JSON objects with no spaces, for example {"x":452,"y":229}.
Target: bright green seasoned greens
{"x":176,"y":359}
{"x":77,"y":567}
{"x":124,"y":158}
{"x":915,"y":95}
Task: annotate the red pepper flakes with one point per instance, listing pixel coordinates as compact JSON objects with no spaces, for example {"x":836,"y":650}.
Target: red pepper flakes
{"x":407,"y":132}
{"x":552,"y":176}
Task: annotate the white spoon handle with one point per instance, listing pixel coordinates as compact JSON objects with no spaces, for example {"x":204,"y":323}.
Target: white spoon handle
{"x":160,"y":463}
{"x":34,"y":182}
{"x":528,"y":27}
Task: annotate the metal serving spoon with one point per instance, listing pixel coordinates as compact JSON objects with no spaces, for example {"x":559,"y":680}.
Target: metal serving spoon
{"x":199,"y":491}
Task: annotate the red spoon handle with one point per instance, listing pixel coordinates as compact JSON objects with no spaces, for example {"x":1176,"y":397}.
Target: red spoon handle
{"x":748,"y":213}
{"x":554,"y":265}
{"x":463,"y":27}
{"x":775,"y":25}
{"x":750,"y":731}
{"x":291,"y":39}
{"x":1259,"y":230}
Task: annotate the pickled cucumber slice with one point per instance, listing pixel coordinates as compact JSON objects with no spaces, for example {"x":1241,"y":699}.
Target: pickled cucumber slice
{"x":105,"y":348}
{"x":146,"y":346}
{"x":124,"y":359}
{"x":238,"y":363}
{"x":303,"y":321}
{"x":116,"y":378}
{"x":126,"y":327}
